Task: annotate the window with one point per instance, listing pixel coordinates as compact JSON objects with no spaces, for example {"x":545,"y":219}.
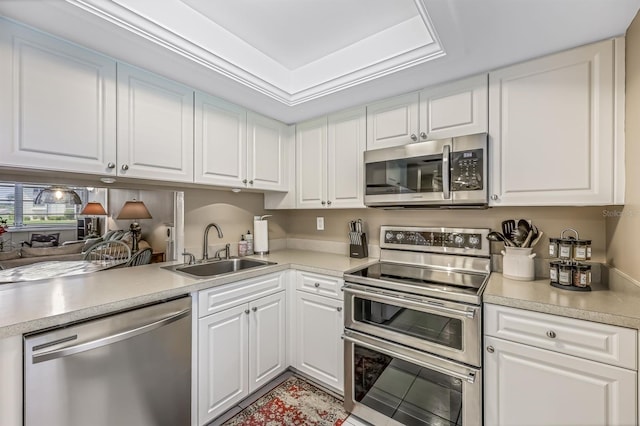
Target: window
{"x":18,"y":208}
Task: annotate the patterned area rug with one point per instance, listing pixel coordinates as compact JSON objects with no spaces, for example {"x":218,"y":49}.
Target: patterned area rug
{"x":293,"y":402}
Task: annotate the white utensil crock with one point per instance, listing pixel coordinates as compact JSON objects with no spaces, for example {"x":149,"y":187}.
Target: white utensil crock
{"x":517,"y":263}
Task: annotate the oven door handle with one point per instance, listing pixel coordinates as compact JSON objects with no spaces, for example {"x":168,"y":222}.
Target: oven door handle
{"x":470,"y":377}
{"x":428,"y":305}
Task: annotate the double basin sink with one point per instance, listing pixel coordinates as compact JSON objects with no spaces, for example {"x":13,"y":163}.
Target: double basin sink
{"x":218,"y":267}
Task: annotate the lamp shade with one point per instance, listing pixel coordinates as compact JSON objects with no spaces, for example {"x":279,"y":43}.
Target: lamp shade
{"x":93,"y":208}
{"x":57,"y":195}
{"x":134,"y":210}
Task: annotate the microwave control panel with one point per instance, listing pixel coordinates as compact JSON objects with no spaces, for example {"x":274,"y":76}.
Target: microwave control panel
{"x":467,"y":170}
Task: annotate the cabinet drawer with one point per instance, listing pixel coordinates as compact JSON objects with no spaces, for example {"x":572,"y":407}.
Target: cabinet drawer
{"x":319,"y":284}
{"x":598,"y":342}
{"x":217,"y":299}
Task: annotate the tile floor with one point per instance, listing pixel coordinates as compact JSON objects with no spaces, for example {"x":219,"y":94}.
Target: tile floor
{"x":351,"y":420}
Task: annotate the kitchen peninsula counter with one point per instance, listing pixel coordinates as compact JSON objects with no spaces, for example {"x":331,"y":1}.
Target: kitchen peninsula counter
{"x":603,"y":304}
{"x":37,"y":305}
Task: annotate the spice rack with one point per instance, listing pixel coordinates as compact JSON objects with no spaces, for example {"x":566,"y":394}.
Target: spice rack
{"x":567,"y":272}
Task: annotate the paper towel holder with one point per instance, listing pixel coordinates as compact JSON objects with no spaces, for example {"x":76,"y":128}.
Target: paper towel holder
{"x":260,"y":234}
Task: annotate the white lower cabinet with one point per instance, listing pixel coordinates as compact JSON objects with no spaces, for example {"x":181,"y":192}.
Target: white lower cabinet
{"x":239,"y":350}
{"x":533,"y":381}
{"x":319,"y":348}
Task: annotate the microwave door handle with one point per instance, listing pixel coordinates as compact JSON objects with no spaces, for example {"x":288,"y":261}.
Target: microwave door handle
{"x":446,"y":173}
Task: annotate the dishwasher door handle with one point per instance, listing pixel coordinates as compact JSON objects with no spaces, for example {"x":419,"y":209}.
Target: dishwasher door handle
{"x":122,"y":335}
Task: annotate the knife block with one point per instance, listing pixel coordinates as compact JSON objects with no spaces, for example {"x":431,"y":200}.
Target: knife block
{"x":358,"y":246}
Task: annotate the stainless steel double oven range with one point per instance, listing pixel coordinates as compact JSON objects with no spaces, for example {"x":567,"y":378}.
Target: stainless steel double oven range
{"x":413,"y":328}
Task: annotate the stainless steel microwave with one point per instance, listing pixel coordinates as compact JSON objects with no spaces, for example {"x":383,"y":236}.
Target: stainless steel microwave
{"x":439,"y":173}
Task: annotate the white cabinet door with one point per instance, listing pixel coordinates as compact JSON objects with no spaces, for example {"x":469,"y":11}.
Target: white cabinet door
{"x":535,"y":387}
{"x":223,"y":357}
{"x":220,"y":142}
{"x":345,"y":158}
{"x":267,"y":163}
{"x":319,"y":323}
{"x":553,"y":138}
{"x":267,"y":339}
{"x":155,"y":126}
{"x":455,"y":109}
{"x":393,"y":122}
{"x":58,"y":104}
{"x":311,"y":164}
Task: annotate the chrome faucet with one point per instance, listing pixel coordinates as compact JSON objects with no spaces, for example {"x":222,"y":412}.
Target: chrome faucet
{"x":205,"y":239}
{"x":226,"y":250}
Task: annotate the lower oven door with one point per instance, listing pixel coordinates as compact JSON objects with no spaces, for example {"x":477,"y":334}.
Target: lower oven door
{"x":389,"y":384}
{"x":444,"y":328}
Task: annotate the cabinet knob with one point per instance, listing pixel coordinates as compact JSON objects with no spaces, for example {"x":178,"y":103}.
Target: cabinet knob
{"x":254,"y":309}
{"x":329,"y":203}
{"x":339,"y":308}
{"x":423,"y":135}
{"x":125,"y":167}
{"x":244,"y":181}
{"x":414,"y":137}
{"x":551,"y":334}
{"x":246,"y":311}
{"x":323,"y":203}
{"x":250,"y":182}
{"x":494,"y":197}
{"x":317,"y":285}
{"x":111,"y":165}
{"x":490,"y":349}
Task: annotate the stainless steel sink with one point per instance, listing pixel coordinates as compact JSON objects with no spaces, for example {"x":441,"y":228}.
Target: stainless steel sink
{"x":218,"y":267}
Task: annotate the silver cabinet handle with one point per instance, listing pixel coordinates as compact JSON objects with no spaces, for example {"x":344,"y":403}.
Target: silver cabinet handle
{"x":246,"y":311}
{"x":111,"y":165}
{"x":323,"y":202}
{"x":329,"y":203}
{"x":414,"y":137}
{"x":254,"y":309}
{"x":125,"y":167}
{"x":244,"y":181}
{"x":494,"y":197}
{"x":250,"y":182}
{"x":423,"y":135}
{"x":490,"y":349}
{"x":339,"y":308}
{"x":551,"y":334}
{"x":316,"y":285}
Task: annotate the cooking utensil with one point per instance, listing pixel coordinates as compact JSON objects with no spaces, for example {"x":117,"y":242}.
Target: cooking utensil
{"x":496,"y":236}
{"x":527,"y":240}
{"x":537,"y":239}
{"x":508,"y":226}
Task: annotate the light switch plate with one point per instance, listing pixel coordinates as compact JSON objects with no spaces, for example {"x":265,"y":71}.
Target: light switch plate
{"x":320,"y":223}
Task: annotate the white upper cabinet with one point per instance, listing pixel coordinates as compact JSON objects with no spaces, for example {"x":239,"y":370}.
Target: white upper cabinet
{"x":58,"y":104}
{"x":220,"y":142}
{"x":555,"y":128}
{"x":455,"y":109}
{"x":155,"y":126}
{"x":238,"y":148}
{"x":393,"y":122}
{"x":447,"y":110}
{"x":329,"y":159}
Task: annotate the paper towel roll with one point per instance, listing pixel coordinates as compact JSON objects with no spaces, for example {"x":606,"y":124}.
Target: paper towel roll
{"x":260,"y":236}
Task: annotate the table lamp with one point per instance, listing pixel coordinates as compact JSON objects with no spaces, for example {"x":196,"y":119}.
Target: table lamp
{"x":135,"y":210}
{"x":93,"y":209}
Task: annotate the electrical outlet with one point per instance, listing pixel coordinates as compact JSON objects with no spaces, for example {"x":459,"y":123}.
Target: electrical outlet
{"x":320,"y":223}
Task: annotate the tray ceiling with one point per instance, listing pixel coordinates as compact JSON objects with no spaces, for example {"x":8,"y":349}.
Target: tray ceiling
{"x":295,"y":59}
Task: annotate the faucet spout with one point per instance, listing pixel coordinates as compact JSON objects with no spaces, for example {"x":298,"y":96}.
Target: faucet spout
{"x":205,"y":239}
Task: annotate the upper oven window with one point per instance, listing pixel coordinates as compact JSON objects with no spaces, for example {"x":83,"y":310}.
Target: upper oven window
{"x":408,"y":175}
{"x":438,"y":329}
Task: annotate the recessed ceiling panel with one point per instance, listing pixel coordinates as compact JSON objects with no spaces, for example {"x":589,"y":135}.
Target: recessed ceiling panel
{"x":298,"y":32}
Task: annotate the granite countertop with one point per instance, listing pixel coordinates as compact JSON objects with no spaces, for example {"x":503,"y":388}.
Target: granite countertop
{"x":37,"y":305}
{"x":602,"y":304}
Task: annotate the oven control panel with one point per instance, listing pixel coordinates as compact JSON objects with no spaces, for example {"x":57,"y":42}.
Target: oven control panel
{"x":435,"y":239}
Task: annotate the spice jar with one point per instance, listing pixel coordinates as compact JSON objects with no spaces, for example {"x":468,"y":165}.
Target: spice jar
{"x":565,"y":274}
{"x":581,"y":275}
{"x":582,"y":250}
{"x":553,"y":271}
{"x":553,"y":247}
{"x":565,"y":249}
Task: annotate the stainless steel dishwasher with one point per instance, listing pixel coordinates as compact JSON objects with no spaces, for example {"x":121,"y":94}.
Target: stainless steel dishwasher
{"x":131,"y":368}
